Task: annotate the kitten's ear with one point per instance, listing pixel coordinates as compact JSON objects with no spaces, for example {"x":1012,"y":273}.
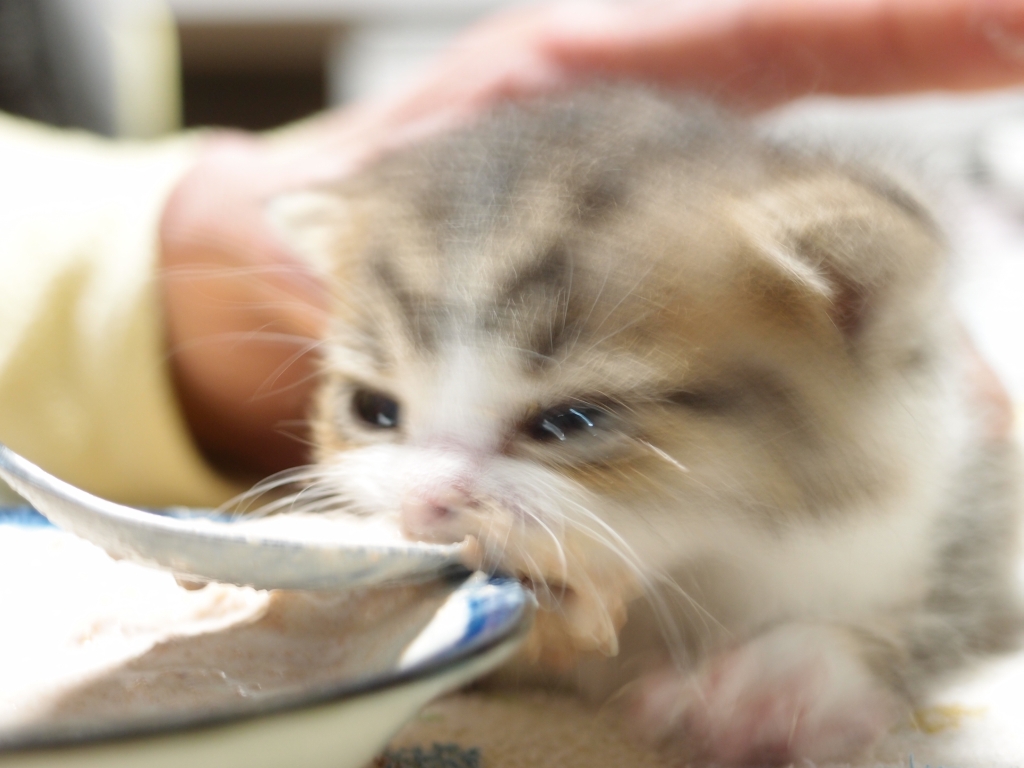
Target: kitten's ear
{"x":865,"y":250}
{"x":315,"y":225}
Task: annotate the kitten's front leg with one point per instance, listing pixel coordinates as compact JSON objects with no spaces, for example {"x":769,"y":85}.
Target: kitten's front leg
{"x":799,"y":691}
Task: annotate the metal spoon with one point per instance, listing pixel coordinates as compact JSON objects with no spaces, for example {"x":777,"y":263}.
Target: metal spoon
{"x":208,"y":550}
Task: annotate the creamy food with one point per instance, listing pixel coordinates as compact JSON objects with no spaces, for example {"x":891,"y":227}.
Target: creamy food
{"x":89,"y":639}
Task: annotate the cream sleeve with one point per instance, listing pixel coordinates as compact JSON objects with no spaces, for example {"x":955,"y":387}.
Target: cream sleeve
{"x":85,"y":390}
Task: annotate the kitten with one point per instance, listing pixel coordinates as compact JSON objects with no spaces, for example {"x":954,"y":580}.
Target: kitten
{"x":665,"y":370}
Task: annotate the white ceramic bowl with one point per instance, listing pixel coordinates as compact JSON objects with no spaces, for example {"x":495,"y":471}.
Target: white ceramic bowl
{"x":446,"y":634}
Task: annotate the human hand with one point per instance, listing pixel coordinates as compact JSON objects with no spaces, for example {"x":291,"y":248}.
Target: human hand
{"x":244,"y":316}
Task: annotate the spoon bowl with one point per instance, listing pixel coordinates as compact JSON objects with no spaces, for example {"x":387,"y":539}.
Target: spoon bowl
{"x":200,"y":547}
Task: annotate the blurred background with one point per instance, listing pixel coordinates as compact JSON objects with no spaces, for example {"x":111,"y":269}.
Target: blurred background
{"x":143,"y":68}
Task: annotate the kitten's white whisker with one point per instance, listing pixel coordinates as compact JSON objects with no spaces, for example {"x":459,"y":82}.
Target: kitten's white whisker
{"x":559,"y":549}
{"x":270,"y":484}
{"x":610,"y":539}
{"x":662,"y":454}
{"x":235,"y":338}
{"x":266,"y":389}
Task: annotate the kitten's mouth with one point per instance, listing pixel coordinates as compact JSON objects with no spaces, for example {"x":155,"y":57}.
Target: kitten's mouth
{"x":551,"y":595}
{"x":583,"y":609}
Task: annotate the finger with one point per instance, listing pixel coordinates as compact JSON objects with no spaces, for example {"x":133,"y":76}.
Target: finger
{"x":761,"y":53}
{"x":750,"y":53}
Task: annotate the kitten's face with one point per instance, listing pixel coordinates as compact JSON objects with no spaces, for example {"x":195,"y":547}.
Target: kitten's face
{"x":581,"y":348}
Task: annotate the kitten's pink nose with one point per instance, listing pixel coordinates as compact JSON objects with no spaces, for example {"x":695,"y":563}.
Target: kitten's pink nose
{"x":431,"y":513}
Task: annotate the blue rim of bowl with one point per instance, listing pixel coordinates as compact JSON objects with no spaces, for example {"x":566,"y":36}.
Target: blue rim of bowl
{"x":483,"y":634}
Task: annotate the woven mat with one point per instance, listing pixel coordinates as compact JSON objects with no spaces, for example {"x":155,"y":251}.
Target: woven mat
{"x":979,"y":723}
{"x":525,"y":730}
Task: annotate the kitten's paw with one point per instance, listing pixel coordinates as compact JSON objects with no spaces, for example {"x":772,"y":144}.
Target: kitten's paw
{"x":797,"y":692}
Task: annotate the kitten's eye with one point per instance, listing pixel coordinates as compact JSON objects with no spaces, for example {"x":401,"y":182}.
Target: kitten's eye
{"x":375,"y":409}
{"x":564,"y":422}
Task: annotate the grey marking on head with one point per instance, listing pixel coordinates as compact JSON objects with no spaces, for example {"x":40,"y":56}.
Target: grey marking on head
{"x":537,"y":281}
{"x":748,"y":393}
{"x":547,"y":285}
{"x":599,"y":197}
{"x":538,"y":297}
{"x":418,"y":312}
